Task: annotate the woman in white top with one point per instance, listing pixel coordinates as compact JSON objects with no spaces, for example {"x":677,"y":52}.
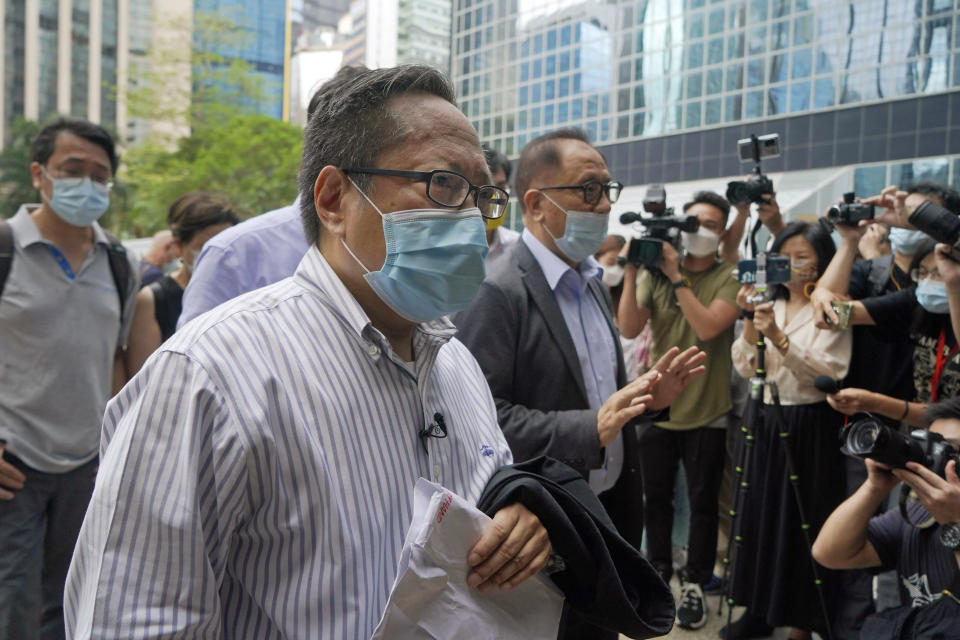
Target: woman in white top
{"x":773,"y":574}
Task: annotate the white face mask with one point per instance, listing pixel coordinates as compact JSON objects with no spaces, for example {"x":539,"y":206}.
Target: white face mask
{"x":701,"y":244}
{"x":612,"y":276}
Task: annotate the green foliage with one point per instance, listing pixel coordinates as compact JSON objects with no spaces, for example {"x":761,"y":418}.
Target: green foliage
{"x":16,"y":185}
{"x":253,"y":159}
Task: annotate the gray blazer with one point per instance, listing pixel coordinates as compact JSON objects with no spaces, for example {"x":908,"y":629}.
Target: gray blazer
{"x":516,"y":331}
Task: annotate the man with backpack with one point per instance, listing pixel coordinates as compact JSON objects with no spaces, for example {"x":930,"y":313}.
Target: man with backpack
{"x":66,"y":300}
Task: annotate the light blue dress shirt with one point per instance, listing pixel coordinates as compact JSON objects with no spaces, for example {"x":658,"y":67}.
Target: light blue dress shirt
{"x":589,"y":327}
{"x":257,"y":252}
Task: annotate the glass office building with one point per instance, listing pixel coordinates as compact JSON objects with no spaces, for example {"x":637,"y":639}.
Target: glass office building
{"x":262,"y":22}
{"x":666,"y":87}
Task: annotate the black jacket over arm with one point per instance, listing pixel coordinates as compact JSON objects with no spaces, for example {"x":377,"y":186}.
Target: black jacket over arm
{"x":604,"y":578}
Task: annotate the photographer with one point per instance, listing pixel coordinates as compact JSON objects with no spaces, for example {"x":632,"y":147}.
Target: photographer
{"x":926,"y":560}
{"x":764,"y":224}
{"x":922,"y":314}
{"x":773,"y":577}
{"x":688,"y":302}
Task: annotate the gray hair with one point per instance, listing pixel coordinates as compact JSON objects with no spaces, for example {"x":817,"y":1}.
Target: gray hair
{"x":350,"y":125}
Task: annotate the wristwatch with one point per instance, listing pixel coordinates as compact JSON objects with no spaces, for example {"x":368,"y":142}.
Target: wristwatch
{"x":950,"y":535}
{"x":682,"y":282}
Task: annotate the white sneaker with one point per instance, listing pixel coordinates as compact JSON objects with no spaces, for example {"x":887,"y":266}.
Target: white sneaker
{"x":691,"y":612}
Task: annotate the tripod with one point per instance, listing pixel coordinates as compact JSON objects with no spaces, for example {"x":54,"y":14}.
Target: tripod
{"x":735,"y":543}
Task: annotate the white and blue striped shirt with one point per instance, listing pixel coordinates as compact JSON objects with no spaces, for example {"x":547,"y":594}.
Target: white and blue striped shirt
{"x":257,"y":475}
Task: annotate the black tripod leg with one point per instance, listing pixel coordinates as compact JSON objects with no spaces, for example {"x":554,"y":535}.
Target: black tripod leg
{"x":784,"y":438}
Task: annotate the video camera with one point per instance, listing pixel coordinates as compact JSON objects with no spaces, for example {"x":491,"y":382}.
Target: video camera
{"x":850,"y":212}
{"x":938,"y":223}
{"x":763,"y":272}
{"x":869,"y":438}
{"x":660,"y":226}
{"x":754,"y":148}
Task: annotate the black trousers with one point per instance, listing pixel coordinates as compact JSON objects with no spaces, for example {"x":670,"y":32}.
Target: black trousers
{"x":702,"y":452}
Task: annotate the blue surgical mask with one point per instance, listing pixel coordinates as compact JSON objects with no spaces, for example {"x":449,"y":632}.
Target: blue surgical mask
{"x":78,"y":201}
{"x":434,"y":264}
{"x":584,"y":233}
{"x":932,"y":296}
{"x":906,"y":241}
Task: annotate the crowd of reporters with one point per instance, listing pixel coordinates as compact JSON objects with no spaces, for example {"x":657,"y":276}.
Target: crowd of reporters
{"x":872,"y":305}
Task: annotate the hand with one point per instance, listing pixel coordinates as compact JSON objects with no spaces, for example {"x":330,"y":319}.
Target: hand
{"x":769,"y":213}
{"x":743,"y":208}
{"x":880,"y":477}
{"x":746,"y":291}
{"x":676,"y":371}
{"x":875,"y":242}
{"x":513,"y":547}
{"x":949,"y":270}
{"x":851,"y":401}
{"x":10,"y":478}
{"x":895,"y":202}
{"x":852,"y":233}
{"x":940,"y":496}
{"x":628,"y":267}
{"x":670,"y":262}
{"x":765,"y":323}
{"x":625,"y":405}
{"x":822,"y":300}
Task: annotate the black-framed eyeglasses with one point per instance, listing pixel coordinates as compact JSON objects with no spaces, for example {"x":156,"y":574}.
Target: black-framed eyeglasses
{"x":450,"y":189}
{"x":593,"y":189}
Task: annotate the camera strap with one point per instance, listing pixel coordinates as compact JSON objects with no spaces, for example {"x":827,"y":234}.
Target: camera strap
{"x":941,"y":362}
{"x":904,"y":497}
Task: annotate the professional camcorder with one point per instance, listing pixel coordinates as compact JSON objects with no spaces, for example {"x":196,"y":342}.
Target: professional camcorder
{"x":938,"y":223}
{"x":850,"y":212}
{"x":869,"y":438}
{"x":754,"y":148}
{"x":659,"y":227}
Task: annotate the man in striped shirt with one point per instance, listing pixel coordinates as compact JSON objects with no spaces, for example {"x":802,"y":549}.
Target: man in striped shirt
{"x":257,"y":474}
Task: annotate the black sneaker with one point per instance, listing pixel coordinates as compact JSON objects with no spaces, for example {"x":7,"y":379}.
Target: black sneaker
{"x":691,"y":613}
{"x":745,"y":628}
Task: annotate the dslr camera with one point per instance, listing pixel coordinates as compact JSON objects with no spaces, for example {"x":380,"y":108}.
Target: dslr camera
{"x":754,"y":148}
{"x":659,"y":226}
{"x":938,"y":223}
{"x":870,"y":438}
{"x":850,"y":212}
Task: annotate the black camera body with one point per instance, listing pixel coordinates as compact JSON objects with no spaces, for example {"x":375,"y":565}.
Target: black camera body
{"x":752,"y":190}
{"x":660,"y":226}
{"x":850,"y":212}
{"x":870,"y":438}
{"x":940,"y":224}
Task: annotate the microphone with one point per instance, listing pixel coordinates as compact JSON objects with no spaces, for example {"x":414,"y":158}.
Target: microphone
{"x":630,"y":216}
{"x":436,"y":429}
{"x":826,"y":384}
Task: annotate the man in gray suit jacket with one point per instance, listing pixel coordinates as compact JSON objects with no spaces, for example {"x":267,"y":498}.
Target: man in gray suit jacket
{"x":541,"y":328}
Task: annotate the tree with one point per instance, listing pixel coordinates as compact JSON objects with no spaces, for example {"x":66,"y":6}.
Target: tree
{"x":16,"y":184}
{"x":253,"y":159}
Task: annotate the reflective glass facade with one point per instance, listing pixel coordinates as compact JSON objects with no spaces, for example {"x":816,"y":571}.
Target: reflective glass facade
{"x":263,"y":22}
{"x":634,"y":69}
{"x":79,"y":58}
{"x":108,"y":64}
{"x":47,"y":59}
{"x":13,"y":68}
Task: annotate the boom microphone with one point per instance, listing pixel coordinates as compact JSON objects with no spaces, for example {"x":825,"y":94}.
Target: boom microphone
{"x":630,"y":217}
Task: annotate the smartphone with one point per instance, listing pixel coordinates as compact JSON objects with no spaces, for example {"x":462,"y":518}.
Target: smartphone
{"x":778,"y":270}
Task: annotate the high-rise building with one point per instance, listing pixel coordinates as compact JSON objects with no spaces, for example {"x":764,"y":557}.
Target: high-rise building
{"x":384,"y":33}
{"x":60,"y":56}
{"x":667,"y":87}
{"x":261,"y":25}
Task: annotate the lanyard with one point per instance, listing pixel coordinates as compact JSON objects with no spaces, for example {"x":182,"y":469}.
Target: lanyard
{"x":941,"y":361}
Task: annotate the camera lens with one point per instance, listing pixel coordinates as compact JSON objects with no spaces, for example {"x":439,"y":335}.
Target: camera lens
{"x":862,"y":438}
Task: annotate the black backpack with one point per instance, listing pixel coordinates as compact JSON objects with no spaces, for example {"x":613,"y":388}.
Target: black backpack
{"x":116,"y":254}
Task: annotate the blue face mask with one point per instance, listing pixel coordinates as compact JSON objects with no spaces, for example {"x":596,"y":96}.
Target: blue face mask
{"x":584,"y":233}
{"x":932,"y":296}
{"x":78,"y":201}
{"x":906,"y":241}
{"x":434,"y":264}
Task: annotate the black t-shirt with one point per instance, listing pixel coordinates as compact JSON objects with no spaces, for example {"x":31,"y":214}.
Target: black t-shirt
{"x":924,"y":566}
{"x":901,"y":312}
{"x":882,"y":360}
